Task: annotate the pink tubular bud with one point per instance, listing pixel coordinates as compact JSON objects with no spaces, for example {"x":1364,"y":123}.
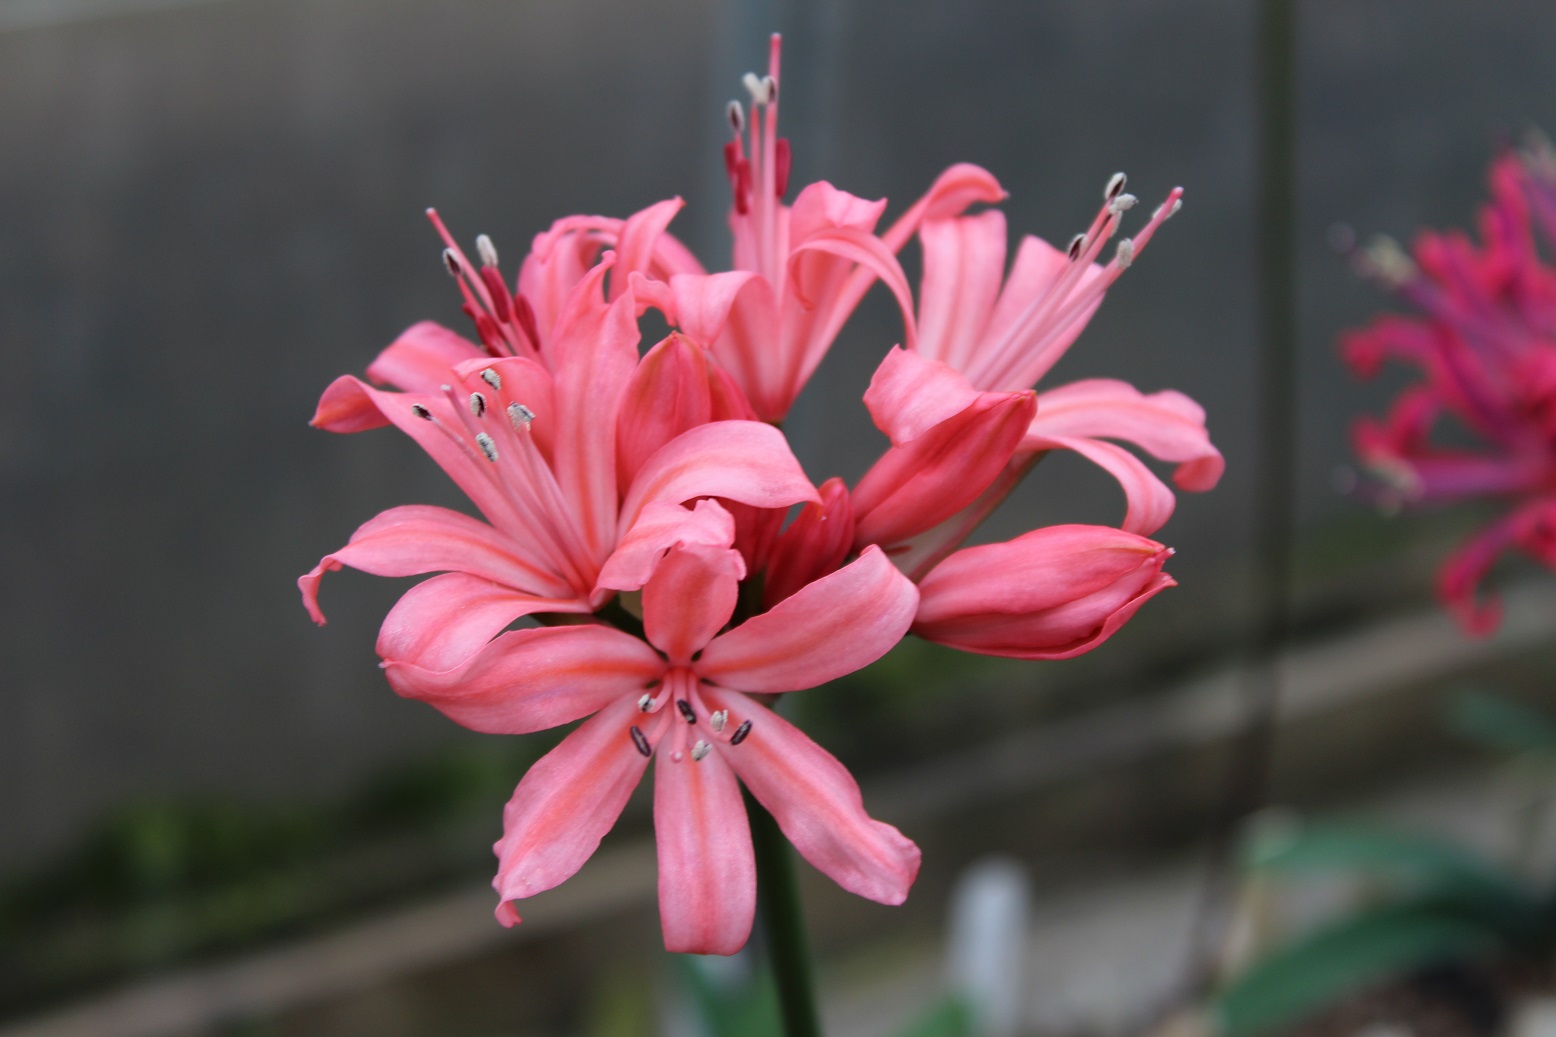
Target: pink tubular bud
{"x":916,"y":486}
{"x":814,"y":545}
{"x":1049,"y":594}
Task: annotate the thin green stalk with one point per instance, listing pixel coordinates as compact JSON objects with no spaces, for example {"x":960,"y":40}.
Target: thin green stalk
{"x":783,"y":923}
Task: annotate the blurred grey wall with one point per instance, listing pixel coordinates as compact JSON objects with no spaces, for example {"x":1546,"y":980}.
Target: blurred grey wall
{"x":210,"y":209}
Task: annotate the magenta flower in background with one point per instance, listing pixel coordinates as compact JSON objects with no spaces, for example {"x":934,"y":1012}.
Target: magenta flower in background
{"x":1485,"y":344}
{"x":638,"y":508}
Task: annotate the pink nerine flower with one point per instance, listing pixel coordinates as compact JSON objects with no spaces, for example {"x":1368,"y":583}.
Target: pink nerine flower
{"x":985,"y":335}
{"x":537,"y":451}
{"x":681,"y":697}
{"x":636,"y":510}
{"x":799,"y":271}
{"x":965,"y":428}
{"x":1486,"y":344}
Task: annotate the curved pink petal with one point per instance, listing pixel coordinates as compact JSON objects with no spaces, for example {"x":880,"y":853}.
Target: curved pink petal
{"x":346,"y":406}
{"x":638,"y":241}
{"x":669,"y":392}
{"x":826,"y":629}
{"x":350,"y":395}
{"x":707,"y":870}
{"x":960,"y":186}
{"x":821,"y":207}
{"x":703,"y":303}
{"x":422,"y":357}
{"x":558,"y":259}
{"x":1049,"y":594}
{"x":964,"y":263}
{"x":566,"y":804}
{"x":949,"y":196}
{"x":816,"y":803}
{"x":594,"y":353}
{"x":443,"y":622}
{"x":736,"y":316}
{"x":745,"y":461}
{"x":660,"y":527}
{"x":1167,"y":425}
{"x":857,"y":246}
{"x":689,"y":599}
{"x":917,"y":486}
{"x":416,"y":539}
{"x":911,"y":393}
{"x":923,"y":551}
{"x":530,"y":680}
{"x":1149,"y":502}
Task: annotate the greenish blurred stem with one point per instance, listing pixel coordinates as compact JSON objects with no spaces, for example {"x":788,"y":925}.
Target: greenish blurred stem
{"x":783,"y":923}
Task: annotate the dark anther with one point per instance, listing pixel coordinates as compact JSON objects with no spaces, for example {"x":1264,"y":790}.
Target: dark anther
{"x":740,"y":733}
{"x":451,"y":261}
{"x":421,"y":412}
{"x":640,"y":740}
{"x":1075,"y":245}
{"x":687,"y":712}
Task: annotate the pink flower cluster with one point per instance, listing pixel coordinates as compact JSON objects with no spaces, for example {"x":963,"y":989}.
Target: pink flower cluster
{"x":635,"y":506}
{"x":1485,"y":342}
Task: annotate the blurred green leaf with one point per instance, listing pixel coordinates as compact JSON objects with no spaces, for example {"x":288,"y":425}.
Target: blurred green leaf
{"x":1420,"y":861}
{"x":1361,"y":949}
{"x":949,"y":1017}
{"x":1499,"y":724}
{"x":744,"y":1009}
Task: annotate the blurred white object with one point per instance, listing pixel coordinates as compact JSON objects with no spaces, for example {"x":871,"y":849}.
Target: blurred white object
{"x":986,"y":952}
{"x":1534,"y":1017}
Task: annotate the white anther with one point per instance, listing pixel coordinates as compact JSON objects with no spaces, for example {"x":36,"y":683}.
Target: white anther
{"x":488,"y":447}
{"x":477,"y":404}
{"x":487,"y":251}
{"x":1177,"y":203}
{"x":451,"y":262}
{"x":645,"y":702}
{"x":519,"y":416}
{"x":718,"y":719}
{"x":1125,"y":254}
{"x":1115,"y":186}
{"x":760,"y":88}
{"x":1384,"y":259}
{"x":492,"y":378}
{"x":1123,"y":203}
{"x":701,"y":749}
{"x":736,"y":115}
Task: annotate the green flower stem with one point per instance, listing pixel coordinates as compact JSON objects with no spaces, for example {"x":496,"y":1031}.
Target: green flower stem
{"x":783,"y":922}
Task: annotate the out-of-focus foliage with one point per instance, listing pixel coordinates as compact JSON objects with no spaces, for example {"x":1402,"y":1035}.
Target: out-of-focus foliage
{"x":1438,"y":901}
{"x":748,"y":1006}
{"x":162,"y":881}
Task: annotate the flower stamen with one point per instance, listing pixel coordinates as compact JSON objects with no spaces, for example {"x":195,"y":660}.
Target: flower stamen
{"x":640,"y":740}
